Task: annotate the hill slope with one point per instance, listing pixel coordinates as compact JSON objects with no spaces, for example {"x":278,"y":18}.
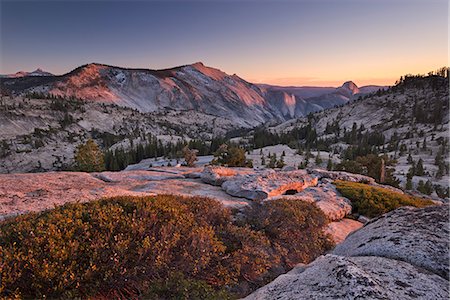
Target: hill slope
{"x":408,"y":122}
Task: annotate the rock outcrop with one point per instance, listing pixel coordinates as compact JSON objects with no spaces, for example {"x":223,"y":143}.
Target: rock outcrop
{"x":233,"y":187}
{"x":340,"y":175}
{"x":417,"y":236}
{"x":326,"y":197}
{"x":216,"y":175}
{"x":21,"y":193}
{"x":401,"y":255}
{"x":268,"y":183}
{"x":337,"y":277}
{"x":340,"y":229}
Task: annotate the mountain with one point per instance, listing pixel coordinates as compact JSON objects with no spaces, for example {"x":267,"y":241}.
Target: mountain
{"x":190,"y":87}
{"x":300,"y":91}
{"x":313,"y":99}
{"x":37,"y":72}
{"x":408,"y":122}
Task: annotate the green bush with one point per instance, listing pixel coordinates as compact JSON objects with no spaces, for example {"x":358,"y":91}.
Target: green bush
{"x":132,"y":247}
{"x":372,"y":201}
{"x":231,"y":156}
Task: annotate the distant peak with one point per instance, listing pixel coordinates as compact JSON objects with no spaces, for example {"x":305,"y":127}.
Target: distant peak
{"x":199,"y":63}
{"x":351,"y":87}
{"x":349,"y":84}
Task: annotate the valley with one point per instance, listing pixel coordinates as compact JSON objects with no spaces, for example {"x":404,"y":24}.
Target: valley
{"x":224,"y":150}
{"x":45,"y":117}
{"x":253,"y":179}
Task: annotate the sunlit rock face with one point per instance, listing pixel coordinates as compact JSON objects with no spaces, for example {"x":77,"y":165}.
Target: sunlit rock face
{"x":268,"y":183}
{"x":400,"y":255}
{"x":191,"y":87}
{"x":233,"y":187}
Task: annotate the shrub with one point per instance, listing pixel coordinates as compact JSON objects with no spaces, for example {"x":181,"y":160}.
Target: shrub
{"x":190,"y":156}
{"x":293,"y":227}
{"x":231,"y":156}
{"x":155,"y":247}
{"x":372,"y":201}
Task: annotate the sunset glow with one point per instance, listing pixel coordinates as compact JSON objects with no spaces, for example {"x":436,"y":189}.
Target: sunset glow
{"x":283,"y":43}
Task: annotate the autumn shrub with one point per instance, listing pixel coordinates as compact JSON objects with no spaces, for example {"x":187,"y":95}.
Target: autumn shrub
{"x":372,"y":201}
{"x":161,"y":247}
{"x":293,"y":227}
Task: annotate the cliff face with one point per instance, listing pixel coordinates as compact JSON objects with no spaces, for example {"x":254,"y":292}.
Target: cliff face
{"x":400,"y":255}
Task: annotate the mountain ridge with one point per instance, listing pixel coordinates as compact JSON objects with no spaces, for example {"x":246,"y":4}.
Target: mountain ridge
{"x":193,"y":86}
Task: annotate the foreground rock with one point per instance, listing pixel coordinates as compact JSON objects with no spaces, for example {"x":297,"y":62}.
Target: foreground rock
{"x":337,"y":277}
{"x":339,"y":230}
{"x":216,"y":176}
{"x":401,"y":255}
{"x":21,"y":193}
{"x":417,"y":236}
{"x":268,"y":183}
{"x":327,"y":198}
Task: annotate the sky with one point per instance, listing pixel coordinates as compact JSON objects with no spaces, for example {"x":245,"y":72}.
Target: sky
{"x":315,"y":42}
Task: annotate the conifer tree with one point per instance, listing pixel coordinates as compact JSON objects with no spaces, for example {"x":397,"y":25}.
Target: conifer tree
{"x":419,"y":168}
{"x":329,"y":165}
{"x":89,"y":158}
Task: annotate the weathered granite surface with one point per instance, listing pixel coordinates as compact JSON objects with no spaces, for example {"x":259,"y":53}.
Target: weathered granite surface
{"x":326,"y":197}
{"x":339,"y":230}
{"x":418,"y":236}
{"x":341,"y":175}
{"x":268,"y":183}
{"x":403,"y":254}
{"x":366,"y":277}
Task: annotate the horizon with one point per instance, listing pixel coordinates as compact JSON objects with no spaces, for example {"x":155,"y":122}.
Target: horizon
{"x":190,"y":64}
{"x":264,"y":43}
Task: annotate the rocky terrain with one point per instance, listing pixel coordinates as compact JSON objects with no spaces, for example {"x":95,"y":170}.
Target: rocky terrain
{"x":313,"y":99}
{"x":412,"y":118}
{"x":42,"y":134}
{"x":400,"y":255}
{"x":235,"y":187}
{"x":191,"y":87}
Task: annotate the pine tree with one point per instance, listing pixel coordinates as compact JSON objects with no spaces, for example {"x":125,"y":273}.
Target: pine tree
{"x":419,"y":168}
{"x":318,"y":159}
{"x":410,"y":159}
{"x":280,"y":163}
{"x":273,"y":161}
{"x":421,"y":186}
{"x":329,"y":165}
{"x":408,"y":185}
{"x":89,"y":158}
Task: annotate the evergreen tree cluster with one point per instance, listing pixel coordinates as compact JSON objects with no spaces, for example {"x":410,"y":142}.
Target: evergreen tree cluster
{"x":150,"y":147}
